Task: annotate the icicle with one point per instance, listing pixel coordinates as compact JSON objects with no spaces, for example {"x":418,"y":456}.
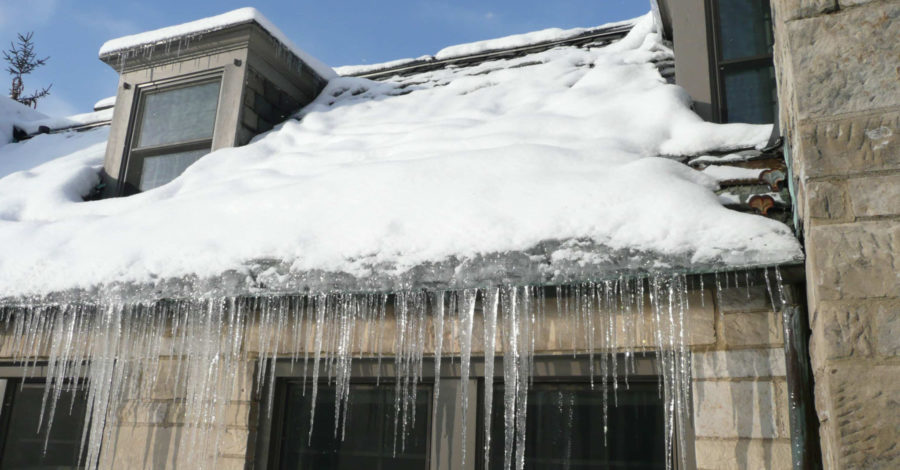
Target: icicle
{"x":747,"y":283}
{"x":491,"y":300}
{"x":769,"y":289}
{"x":321,"y":304}
{"x":702,"y":292}
{"x":779,"y":282}
{"x":466,"y":315}
{"x":438,"y":320}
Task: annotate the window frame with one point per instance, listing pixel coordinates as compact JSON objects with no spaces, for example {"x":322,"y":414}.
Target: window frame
{"x":719,"y":65}
{"x":10,"y":390}
{"x":563,"y":369}
{"x":131,"y":170}
{"x":564,"y":380}
{"x":276,"y":424}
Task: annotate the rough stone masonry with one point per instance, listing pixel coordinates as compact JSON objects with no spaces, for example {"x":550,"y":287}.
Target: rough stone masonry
{"x":838,"y":70}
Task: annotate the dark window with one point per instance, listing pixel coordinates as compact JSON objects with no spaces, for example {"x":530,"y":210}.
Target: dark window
{"x":366,"y":441}
{"x":22,"y":445}
{"x":744,"y":68}
{"x":173,"y":129}
{"x":564,"y":428}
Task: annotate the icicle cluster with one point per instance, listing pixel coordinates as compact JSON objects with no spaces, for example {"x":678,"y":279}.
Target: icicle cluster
{"x":201,"y":349}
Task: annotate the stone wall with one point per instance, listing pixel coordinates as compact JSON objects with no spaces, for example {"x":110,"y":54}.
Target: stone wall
{"x":740,"y":390}
{"x":838,"y":64}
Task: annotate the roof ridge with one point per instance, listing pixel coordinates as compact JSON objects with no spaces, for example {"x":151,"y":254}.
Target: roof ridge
{"x":610,"y":33}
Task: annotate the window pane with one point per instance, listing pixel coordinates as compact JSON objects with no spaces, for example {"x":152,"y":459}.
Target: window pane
{"x":161,"y":169}
{"x":179,"y":115}
{"x":564,"y":428}
{"x":750,"y":94}
{"x":745,"y":28}
{"x":24,"y":446}
{"x":368,"y":442}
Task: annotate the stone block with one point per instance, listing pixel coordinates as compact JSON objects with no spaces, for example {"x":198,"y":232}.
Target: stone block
{"x":155,"y":447}
{"x":865,"y":400}
{"x":701,"y":322}
{"x":753,"y":329}
{"x":856,"y":329}
{"x":224,"y":463}
{"x":742,"y":454}
{"x":851,"y":261}
{"x":853,"y":3}
{"x":144,"y":447}
{"x":236,"y":414}
{"x":887,"y":329}
{"x":743,"y":299}
{"x":739,"y":363}
{"x":845,"y":62}
{"x":795,"y":9}
{"x":727,"y":409}
{"x":875,"y":195}
{"x":849,"y":145}
{"x":826,"y":200}
{"x":144,"y":412}
{"x":234,"y":441}
{"x":561,"y":332}
{"x":249,"y":118}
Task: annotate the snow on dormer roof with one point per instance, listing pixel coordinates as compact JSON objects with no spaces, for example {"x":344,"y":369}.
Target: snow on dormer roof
{"x":208,"y":25}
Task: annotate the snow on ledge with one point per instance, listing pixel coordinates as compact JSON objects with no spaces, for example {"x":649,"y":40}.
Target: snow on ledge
{"x":208,"y":25}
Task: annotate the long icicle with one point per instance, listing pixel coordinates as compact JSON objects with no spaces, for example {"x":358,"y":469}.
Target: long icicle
{"x":491,"y":300}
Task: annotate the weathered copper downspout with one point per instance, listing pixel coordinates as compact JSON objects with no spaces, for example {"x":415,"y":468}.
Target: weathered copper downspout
{"x":805,"y":449}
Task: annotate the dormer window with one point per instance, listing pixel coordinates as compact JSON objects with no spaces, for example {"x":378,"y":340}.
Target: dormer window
{"x":723,"y":57}
{"x":174,"y":127}
{"x":190,"y":89}
{"x":743,"y":55}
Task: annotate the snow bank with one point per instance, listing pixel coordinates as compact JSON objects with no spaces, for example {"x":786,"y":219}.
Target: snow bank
{"x":13,"y":113}
{"x":208,"y":25}
{"x":546,"y":162}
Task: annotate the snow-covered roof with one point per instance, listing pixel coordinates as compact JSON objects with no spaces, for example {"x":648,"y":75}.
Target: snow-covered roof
{"x":537,"y":169}
{"x":13,"y":113}
{"x":126,"y":44}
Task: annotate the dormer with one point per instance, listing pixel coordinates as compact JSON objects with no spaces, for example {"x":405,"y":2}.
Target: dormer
{"x":190,"y":89}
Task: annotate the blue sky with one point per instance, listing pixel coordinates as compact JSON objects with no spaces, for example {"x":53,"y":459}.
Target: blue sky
{"x":337,"y":32}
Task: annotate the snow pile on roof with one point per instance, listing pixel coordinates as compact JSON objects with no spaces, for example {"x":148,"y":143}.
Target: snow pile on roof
{"x":478,"y":47}
{"x":520,"y":40}
{"x":65,"y":122}
{"x":524,"y":169}
{"x":730,"y":173}
{"x":208,"y":25}
{"x":108,"y":102}
{"x":363,"y":68}
{"x":13,"y":113}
